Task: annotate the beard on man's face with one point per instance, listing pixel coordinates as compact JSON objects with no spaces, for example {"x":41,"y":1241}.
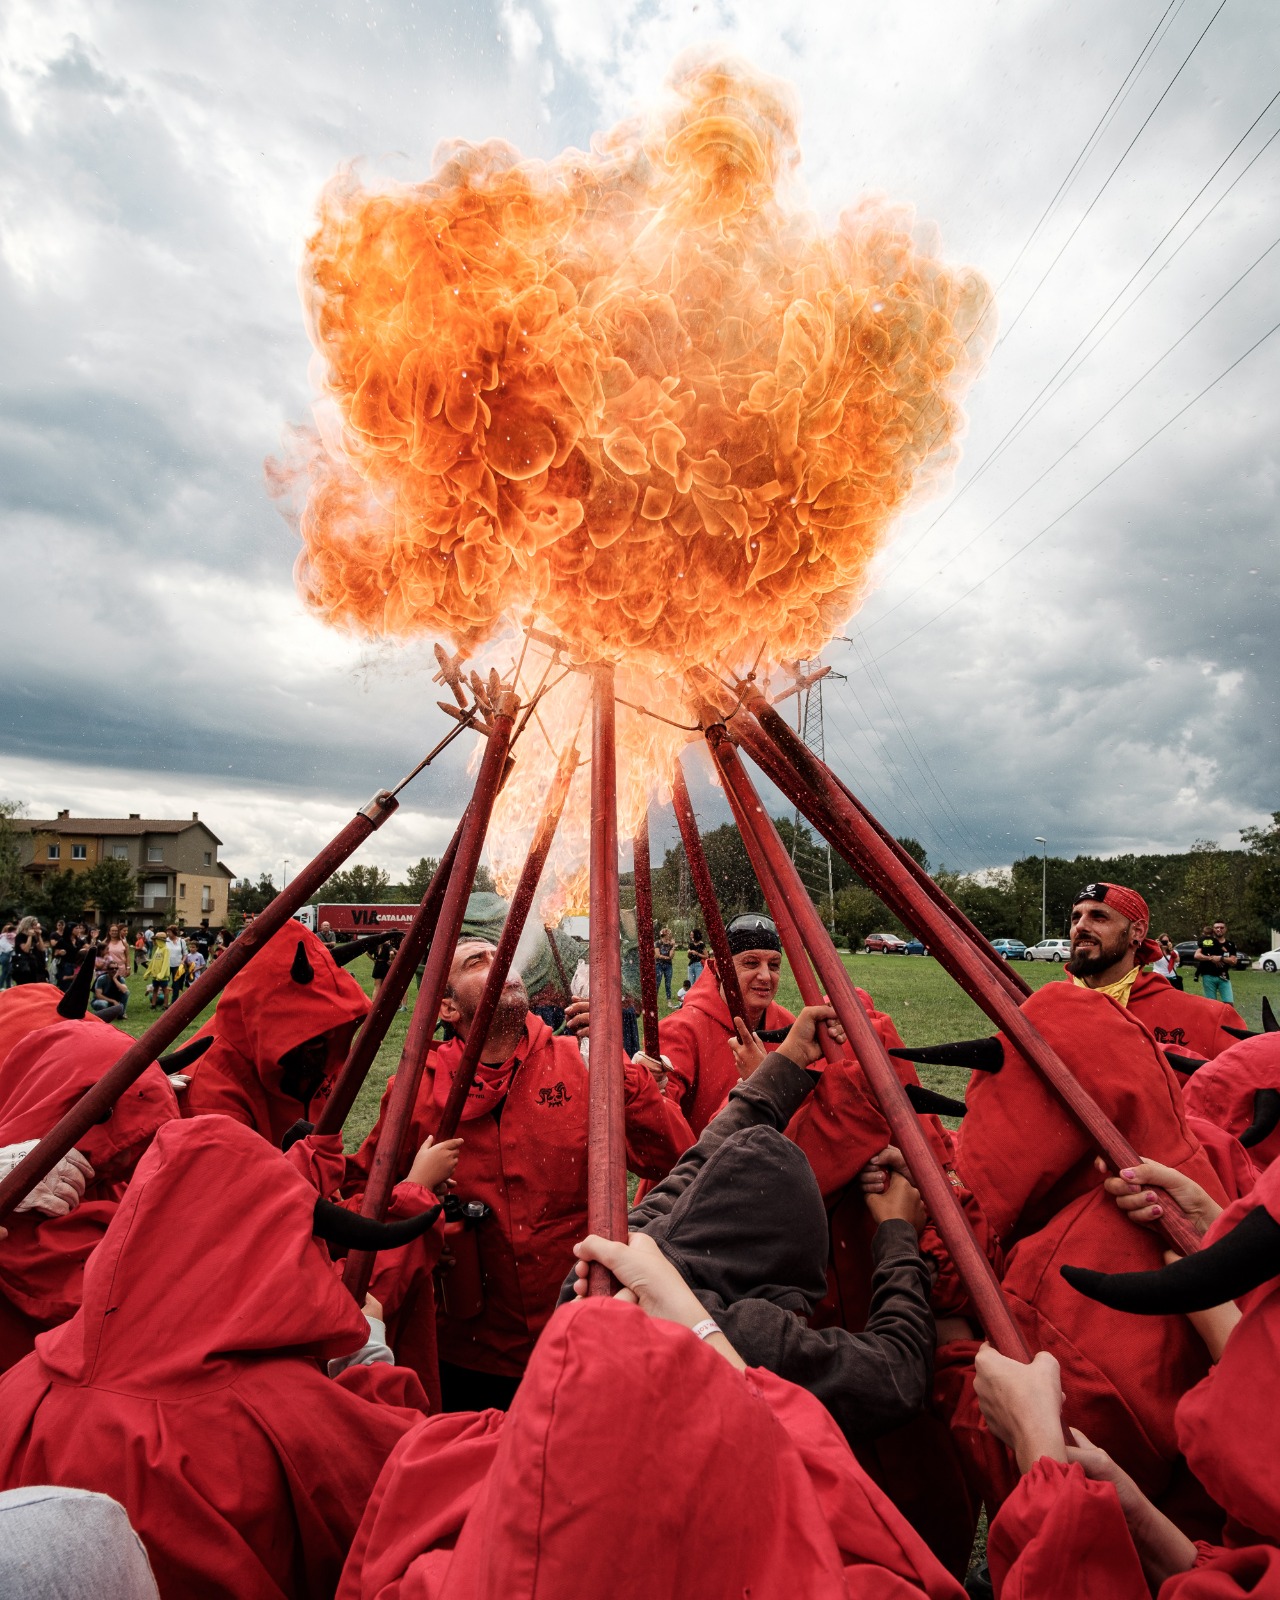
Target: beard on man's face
{"x":1092,"y":953}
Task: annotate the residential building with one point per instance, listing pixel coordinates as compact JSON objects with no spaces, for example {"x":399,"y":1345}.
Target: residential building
{"x":179,"y":876}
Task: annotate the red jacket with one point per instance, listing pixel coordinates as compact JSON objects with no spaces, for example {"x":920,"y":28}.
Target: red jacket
{"x":635,"y":1464}
{"x":262,"y":1013}
{"x":695,"y":1040}
{"x":1222,"y":1091}
{"x":528,"y":1164}
{"x":190,"y":1385}
{"x":1187,"y":1023}
{"x":1030,"y":1166}
{"x":42,"y":1261}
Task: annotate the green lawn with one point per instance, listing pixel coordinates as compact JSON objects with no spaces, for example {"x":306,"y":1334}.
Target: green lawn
{"x":927,"y":1007}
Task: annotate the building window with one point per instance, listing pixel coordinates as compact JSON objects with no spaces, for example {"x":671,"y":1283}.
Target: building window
{"x":79,"y":852}
{"x":206,"y":899}
{"x":120,"y":852}
{"x":54,"y":852}
{"x":155,"y":852}
{"x":208,"y":858}
{"x":155,"y":892}
{"x":182,"y":890}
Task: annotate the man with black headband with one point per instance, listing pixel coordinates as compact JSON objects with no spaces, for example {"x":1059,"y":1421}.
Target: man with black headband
{"x":1109,"y":949}
{"x":698,"y":1039}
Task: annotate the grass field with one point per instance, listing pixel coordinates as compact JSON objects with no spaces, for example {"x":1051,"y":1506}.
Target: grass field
{"x":927,"y":1007}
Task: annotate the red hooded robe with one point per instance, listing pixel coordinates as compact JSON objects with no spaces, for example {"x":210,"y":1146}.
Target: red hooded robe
{"x":1059,"y":1535}
{"x":525,"y":1157}
{"x":42,"y":1261}
{"x":1187,"y":1023}
{"x":1030,"y":1166}
{"x":23,"y":1009}
{"x":1222,"y":1091}
{"x":635,"y":1464}
{"x":262,"y":1013}
{"x":190,"y":1386}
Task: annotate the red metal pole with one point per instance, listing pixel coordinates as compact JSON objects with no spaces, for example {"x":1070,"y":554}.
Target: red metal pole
{"x":782,"y":767}
{"x":426,"y":1011}
{"x":935,"y":1188}
{"x":559,"y":964}
{"x":364,"y":1047}
{"x":819,"y":795}
{"x":789,"y":935}
{"x":508,"y":940}
{"x":705,"y":890}
{"x":644,"y":938}
{"x":606,"y":1132}
{"x":95,"y":1104}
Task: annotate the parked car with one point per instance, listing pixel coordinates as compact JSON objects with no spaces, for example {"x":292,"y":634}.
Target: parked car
{"x":914,"y":947}
{"x":1048,"y":950}
{"x":1010,"y":949}
{"x":887,"y":944}
{"x":1269,"y":961}
{"x":1186,"y":950}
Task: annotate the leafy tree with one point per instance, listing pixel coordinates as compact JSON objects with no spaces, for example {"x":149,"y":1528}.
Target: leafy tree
{"x":1262,"y":889}
{"x":246,"y":899}
{"x":11,"y":885}
{"x":859,"y":912}
{"x":483,"y":882}
{"x":915,"y":850}
{"x":355,"y":885}
{"x":418,"y":878}
{"x":112,"y":887}
{"x":61,"y":896}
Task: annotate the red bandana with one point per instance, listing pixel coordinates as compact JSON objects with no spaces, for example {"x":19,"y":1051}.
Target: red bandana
{"x":1130,"y":904}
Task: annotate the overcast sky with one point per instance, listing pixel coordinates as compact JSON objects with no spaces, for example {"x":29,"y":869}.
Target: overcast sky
{"x":1104,"y":675}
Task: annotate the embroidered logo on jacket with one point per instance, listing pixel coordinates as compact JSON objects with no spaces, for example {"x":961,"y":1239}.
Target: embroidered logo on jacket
{"x":1170,"y":1035}
{"x":555,"y":1095}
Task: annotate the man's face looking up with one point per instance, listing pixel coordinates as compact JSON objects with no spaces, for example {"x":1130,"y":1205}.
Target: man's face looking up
{"x":1100,"y":939}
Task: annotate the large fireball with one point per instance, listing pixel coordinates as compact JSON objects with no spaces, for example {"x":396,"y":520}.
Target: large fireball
{"x":634,"y":395}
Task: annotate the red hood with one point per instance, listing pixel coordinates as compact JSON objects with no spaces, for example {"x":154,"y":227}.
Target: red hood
{"x":1222,"y":1090}
{"x":23,"y":1009}
{"x":44,"y":1076}
{"x":547,"y":1505}
{"x":1236,"y":1463}
{"x":209,"y":1260}
{"x":1021,"y":1151}
{"x":264,"y":1012}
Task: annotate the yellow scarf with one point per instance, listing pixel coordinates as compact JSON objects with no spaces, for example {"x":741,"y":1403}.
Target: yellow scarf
{"x":1118,"y":991}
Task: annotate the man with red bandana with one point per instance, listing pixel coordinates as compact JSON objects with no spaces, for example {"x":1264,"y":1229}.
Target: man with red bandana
{"x":1110,"y":947}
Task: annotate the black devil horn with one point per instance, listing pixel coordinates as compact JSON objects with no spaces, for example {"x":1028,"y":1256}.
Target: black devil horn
{"x":185,"y":1055}
{"x":75,"y":1003}
{"x":1269,"y":1023}
{"x":941,"y":1105}
{"x":1183,"y":1064}
{"x":1236,"y":1263}
{"x":1239,"y":1033}
{"x":974,"y":1055}
{"x":339,"y":1226}
{"x":301,"y":971}
{"x":300,"y":1129}
{"x":1266,"y":1114}
{"x":772,"y":1035}
{"x":344,"y":954}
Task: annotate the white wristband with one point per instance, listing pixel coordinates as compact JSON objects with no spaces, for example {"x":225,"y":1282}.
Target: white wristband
{"x":705,"y":1328}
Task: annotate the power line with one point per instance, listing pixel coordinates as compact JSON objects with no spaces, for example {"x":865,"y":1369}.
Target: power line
{"x":1100,"y":127}
{"x":1033,"y":409}
{"x":1107,"y":181}
{"x":1164,"y":426}
{"x":1097,"y":422}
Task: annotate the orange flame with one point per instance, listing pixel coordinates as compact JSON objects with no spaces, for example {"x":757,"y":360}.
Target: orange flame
{"x":638,"y":396}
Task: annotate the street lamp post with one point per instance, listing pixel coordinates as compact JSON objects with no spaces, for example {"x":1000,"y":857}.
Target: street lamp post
{"x":1044,"y":881}
{"x":285,"y":885}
